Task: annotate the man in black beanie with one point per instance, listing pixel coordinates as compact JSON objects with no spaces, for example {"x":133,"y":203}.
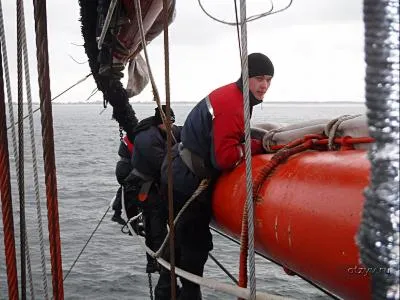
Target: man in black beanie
{"x":143,"y":182}
{"x":212,"y":141}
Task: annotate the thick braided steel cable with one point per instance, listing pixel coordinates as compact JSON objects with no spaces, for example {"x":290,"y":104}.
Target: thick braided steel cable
{"x":8,"y":87}
{"x":20,"y":175}
{"x":247,"y":142}
{"x":378,"y":236}
{"x":6,"y":201}
{"x":48,"y":148}
{"x":34,"y":163}
{"x":14,"y":139}
{"x":153,"y":83}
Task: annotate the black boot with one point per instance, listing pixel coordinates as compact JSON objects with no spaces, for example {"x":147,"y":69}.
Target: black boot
{"x":162,"y":290}
{"x":117,"y":218}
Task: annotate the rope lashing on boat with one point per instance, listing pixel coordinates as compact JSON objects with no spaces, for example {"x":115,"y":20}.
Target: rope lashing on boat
{"x":87,"y":242}
{"x":249,"y":19}
{"x":378,"y":236}
{"x":21,"y":159}
{"x":48,"y":148}
{"x":268,"y":140}
{"x":247,"y":152}
{"x":6,"y":201}
{"x":34,"y":164}
{"x":308,"y":142}
{"x":324,"y":141}
{"x":332,"y":128}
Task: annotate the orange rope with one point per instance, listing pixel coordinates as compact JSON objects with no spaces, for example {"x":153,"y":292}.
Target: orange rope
{"x":343,"y":141}
{"x":6,"y":201}
{"x":294,"y":147}
{"x":48,"y":148}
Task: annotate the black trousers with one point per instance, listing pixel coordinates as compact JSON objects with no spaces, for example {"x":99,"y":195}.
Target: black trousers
{"x":154,"y":214}
{"x":193,"y":242}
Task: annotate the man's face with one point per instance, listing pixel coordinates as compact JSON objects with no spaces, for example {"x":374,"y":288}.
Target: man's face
{"x":258,"y":85}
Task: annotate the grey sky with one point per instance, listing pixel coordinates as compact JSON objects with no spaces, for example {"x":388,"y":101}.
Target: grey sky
{"x":316,"y":47}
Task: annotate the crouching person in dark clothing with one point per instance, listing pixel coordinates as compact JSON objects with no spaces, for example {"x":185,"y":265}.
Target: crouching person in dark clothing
{"x":122,"y":170}
{"x":143,"y":183}
{"x":212,"y":141}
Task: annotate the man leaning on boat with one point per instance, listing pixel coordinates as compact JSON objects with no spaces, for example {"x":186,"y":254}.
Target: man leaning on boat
{"x":212,"y":141}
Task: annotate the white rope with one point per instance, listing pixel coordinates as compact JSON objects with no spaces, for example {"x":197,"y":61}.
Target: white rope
{"x":21,"y":169}
{"x":34,"y":159}
{"x":332,"y":127}
{"x":249,"y":177}
{"x":210,"y":283}
{"x":106,"y":24}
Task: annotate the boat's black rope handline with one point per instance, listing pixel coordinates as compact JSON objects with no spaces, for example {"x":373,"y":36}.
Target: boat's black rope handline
{"x":223,"y":269}
{"x":87,"y":242}
{"x":275,"y":262}
{"x":94,"y":92}
{"x":60,"y":94}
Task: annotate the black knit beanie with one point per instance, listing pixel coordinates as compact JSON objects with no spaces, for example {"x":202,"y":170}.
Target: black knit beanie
{"x":157,"y":115}
{"x":260,"y":64}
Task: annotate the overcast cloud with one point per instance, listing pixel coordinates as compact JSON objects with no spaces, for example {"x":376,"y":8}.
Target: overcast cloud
{"x":315,"y":45}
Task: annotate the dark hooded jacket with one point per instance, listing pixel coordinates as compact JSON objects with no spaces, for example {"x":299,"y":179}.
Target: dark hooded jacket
{"x":150,"y":147}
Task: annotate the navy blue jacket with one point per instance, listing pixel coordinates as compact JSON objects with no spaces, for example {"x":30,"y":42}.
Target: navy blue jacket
{"x":150,"y":150}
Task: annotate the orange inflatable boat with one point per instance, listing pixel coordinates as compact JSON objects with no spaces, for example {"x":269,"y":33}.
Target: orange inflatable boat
{"x":306,"y":216}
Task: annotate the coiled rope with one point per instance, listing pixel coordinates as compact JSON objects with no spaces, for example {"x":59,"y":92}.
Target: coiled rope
{"x":48,"y":147}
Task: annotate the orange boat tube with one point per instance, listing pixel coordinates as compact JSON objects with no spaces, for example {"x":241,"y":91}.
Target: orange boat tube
{"x":306,"y":217}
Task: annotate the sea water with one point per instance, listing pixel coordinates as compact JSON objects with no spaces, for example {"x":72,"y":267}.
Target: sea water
{"x":113,"y":263}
